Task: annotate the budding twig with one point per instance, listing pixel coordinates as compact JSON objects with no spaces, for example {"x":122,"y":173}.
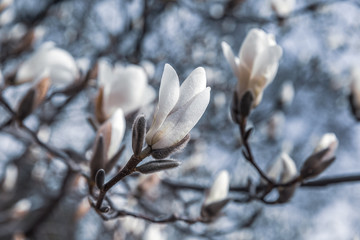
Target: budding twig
{"x":126,"y":170}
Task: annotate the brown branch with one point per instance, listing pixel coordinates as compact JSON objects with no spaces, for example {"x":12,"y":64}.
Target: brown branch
{"x":51,"y":206}
{"x":322,"y":182}
{"x":248,"y":154}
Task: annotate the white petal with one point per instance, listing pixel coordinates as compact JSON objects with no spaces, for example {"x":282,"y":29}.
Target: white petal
{"x":266,"y":64}
{"x":178,"y":124}
{"x":328,"y":140}
{"x":220,"y":188}
{"x":254,"y":44}
{"x":168,"y":96}
{"x":283,"y":7}
{"x":104,"y":73}
{"x":61,"y":64}
{"x":125,"y":90}
{"x":117,"y":132}
{"x":193,"y":85}
{"x":289,"y":168}
{"x":275,"y":170}
{"x":229,"y":55}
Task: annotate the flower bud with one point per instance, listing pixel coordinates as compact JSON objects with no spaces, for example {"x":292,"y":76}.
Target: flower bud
{"x":100,"y":178}
{"x":323,"y":156}
{"x":34,"y":97}
{"x":156,"y":166}
{"x":138,"y":134}
{"x":256,"y":65}
{"x":283,"y":170}
{"x":217,"y":197}
{"x":97,"y":161}
{"x":283,"y":8}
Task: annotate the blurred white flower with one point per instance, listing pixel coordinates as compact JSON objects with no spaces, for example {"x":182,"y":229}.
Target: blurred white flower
{"x":60,"y":64}
{"x":179,"y":108}
{"x":107,"y":143}
{"x":283,"y":8}
{"x":154,"y":232}
{"x":219,"y":189}
{"x":10,"y":178}
{"x":113,"y":131}
{"x":283,"y":169}
{"x":256,"y":65}
{"x":328,"y":141}
{"x":322,"y":158}
{"x":287,"y":93}
{"x":21,"y":208}
{"x":123,"y":87}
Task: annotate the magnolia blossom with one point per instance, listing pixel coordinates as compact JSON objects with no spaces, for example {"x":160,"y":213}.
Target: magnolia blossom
{"x":283,"y":169}
{"x":283,"y":8}
{"x":328,"y":141}
{"x":219,"y":189}
{"x":179,"y":107}
{"x":60,"y":64}
{"x":256,"y":65}
{"x":123,"y":87}
{"x":107,"y":144}
{"x":113,"y":131}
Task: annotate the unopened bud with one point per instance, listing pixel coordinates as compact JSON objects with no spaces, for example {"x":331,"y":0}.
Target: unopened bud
{"x":98,"y":158}
{"x":34,"y":96}
{"x":99,"y":112}
{"x":323,"y":156}
{"x":217,"y":197}
{"x":138,"y":134}
{"x":165,"y":152}
{"x":100,"y":178}
{"x":156,"y":166}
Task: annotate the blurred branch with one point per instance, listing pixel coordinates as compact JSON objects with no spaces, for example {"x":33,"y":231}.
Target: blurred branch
{"x":322,"y":182}
{"x":52,"y":204}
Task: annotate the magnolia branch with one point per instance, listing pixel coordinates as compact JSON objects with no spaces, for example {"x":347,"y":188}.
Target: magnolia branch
{"x":322,"y":182}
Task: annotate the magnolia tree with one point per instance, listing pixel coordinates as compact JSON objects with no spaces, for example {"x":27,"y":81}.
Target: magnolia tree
{"x":141,"y":166}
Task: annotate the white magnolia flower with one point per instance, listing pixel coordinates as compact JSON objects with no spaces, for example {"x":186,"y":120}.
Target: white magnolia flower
{"x":58,"y":62}
{"x":330,"y":141}
{"x":123,"y":87}
{"x":219,"y":189}
{"x":179,"y":107}
{"x":283,"y":8}
{"x":256,"y":65}
{"x":113,"y":131}
{"x":283,"y":169}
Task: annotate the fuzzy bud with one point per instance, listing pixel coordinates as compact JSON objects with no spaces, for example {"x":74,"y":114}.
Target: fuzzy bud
{"x":156,"y":166}
{"x":323,"y":156}
{"x":138,"y":134}
{"x":97,"y":161}
{"x":100,"y":178}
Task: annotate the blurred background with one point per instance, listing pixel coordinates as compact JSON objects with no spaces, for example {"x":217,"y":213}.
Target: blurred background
{"x":320,"y":41}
